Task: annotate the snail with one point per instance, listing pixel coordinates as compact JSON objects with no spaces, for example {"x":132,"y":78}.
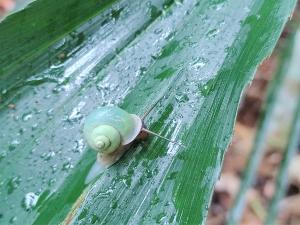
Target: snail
{"x":111,"y":130}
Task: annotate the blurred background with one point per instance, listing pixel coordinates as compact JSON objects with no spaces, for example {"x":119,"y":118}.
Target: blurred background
{"x":10,"y":6}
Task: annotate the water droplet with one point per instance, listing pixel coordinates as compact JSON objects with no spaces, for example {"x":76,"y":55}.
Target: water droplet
{"x":48,"y":156}
{"x":172,"y":176}
{"x":222,"y":22}
{"x":207,"y":88}
{"x":79,"y":146}
{"x":50,"y":113}
{"x":127,"y":180}
{"x":158,"y":30}
{"x":148,"y":173}
{"x":181,"y":98}
{"x":106,"y":193}
{"x":155,"y":199}
{"x":212,"y":33}
{"x":94,"y":219}
{"x":13,"y":145}
{"x":13,"y":220}
{"x":30,"y":200}
{"x":154,"y":11}
{"x":247,"y":9}
{"x":75,"y":114}
{"x":67,"y":165}
{"x":34,"y":126}
{"x":199,"y":63}
{"x":26,"y":116}
{"x":54,"y":168}
{"x":159,"y":218}
{"x":172,"y":218}
{"x":114,"y":204}
{"x":3,"y":154}
{"x":13,"y":184}
{"x":218,"y":7}
{"x":170,"y":36}
{"x":51,"y":181}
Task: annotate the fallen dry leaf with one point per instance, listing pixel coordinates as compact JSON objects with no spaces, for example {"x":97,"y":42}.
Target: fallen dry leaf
{"x":228,"y":183}
{"x":289,"y":208}
{"x":294,"y":170}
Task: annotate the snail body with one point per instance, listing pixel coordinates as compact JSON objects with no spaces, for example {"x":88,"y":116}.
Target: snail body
{"x":110,"y":130}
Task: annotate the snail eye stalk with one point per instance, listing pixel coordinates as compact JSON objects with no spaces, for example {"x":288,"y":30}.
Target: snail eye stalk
{"x":162,"y":137}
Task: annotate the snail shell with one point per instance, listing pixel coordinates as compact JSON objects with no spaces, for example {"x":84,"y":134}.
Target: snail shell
{"x":108,"y":129}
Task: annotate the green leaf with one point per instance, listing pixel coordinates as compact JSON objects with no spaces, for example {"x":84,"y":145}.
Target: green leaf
{"x":55,"y":70}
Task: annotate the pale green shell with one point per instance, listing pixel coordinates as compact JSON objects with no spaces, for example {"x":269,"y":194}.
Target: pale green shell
{"x":108,"y":127}
{"x":104,"y":138}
